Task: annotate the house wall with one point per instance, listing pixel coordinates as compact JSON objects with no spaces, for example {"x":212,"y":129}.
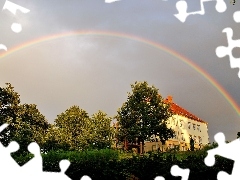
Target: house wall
{"x":183,"y":128}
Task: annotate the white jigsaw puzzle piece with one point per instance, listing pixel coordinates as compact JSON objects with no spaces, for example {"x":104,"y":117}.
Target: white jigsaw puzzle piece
{"x":236,"y":16}
{"x":2,"y":46}
{"x":177,"y":171}
{"x":222,"y":51}
{"x":182,"y":9}
{"x":159,"y":178}
{"x":7,"y":164}
{"x":111,"y":1}
{"x":227,"y":150}
{"x":33,"y":169}
{"x":86,"y":178}
{"x":12,"y":7}
{"x":35,"y":164}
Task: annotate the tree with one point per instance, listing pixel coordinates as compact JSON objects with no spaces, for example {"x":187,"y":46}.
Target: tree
{"x":9,"y":104}
{"x":26,"y":123}
{"x":54,"y":140}
{"x":75,"y":128}
{"x":31,"y":126}
{"x":144,"y":114}
{"x":71,"y":126}
{"x":102,"y":133}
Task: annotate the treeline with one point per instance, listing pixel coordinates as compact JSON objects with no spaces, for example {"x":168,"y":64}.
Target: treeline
{"x":72,"y":130}
{"x":143,"y":115}
{"x":85,"y":139}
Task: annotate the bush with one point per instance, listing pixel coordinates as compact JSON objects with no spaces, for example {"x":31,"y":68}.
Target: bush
{"x":112,"y":164}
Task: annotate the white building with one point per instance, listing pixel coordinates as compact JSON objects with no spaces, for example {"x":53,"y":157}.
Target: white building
{"x":186,"y":126}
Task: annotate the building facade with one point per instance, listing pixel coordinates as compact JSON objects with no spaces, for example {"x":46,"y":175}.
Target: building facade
{"x":185,"y":126}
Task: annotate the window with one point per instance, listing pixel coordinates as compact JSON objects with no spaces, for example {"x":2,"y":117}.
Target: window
{"x":195,"y":138}
{"x":189,"y":125}
{"x":194,"y":126}
{"x":183,"y":139}
{"x":200,"y":139}
{"x":181,"y":123}
{"x":198,"y":128}
{"x":175,"y":135}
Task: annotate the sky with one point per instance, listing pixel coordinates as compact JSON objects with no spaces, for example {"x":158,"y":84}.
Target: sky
{"x":88,"y":52}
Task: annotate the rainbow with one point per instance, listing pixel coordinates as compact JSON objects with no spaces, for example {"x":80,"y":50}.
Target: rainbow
{"x":151,"y":43}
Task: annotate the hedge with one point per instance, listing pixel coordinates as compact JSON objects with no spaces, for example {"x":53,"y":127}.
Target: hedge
{"x":111,"y":164}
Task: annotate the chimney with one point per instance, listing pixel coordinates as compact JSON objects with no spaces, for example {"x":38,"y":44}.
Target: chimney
{"x":169,"y":98}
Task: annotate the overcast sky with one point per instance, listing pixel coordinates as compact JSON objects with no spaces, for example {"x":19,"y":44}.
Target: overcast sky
{"x":95,"y":71}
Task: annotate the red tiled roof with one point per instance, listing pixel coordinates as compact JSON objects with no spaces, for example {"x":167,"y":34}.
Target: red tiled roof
{"x":180,"y":111}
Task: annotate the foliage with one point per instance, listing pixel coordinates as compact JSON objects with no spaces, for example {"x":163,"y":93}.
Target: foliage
{"x":52,"y":140}
{"x":26,"y":123}
{"x":30,"y":127}
{"x":9,"y":102}
{"x":112,"y":164}
{"x":102,"y":133}
{"x":74,"y":128}
{"x":144,"y":114}
{"x":238,"y":135}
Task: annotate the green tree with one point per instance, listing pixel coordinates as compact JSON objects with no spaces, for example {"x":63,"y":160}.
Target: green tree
{"x":54,"y":140}
{"x":71,"y":128}
{"x":26,"y":123}
{"x":74,"y":129}
{"x":144,"y":114}
{"x":9,"y":108}
{"x":31,"y":126}
{"x":102,"y":133}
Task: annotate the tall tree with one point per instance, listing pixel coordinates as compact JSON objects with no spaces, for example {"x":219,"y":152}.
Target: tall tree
{"x":30,"y":127}
{"x":72,"y":127}
{"x":102,"y":133}
{"x":144,"y":114}
{"x":26,"y":123}
{"x":55,"y":140}
{"x":9,"y":108}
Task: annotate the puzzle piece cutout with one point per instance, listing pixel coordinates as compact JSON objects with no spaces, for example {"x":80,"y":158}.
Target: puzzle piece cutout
{"x":227,"y":150}
{"x":111,"y":1}
{"x":2,"y":46}
{"x":236,"y":16}
{"x":177,"y":171}
{"x":222,"y":51}
{"x":16,"y":27}
{"x":33,"y":168}
{"x":12,"y":7}
{"x":182,"y":9}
